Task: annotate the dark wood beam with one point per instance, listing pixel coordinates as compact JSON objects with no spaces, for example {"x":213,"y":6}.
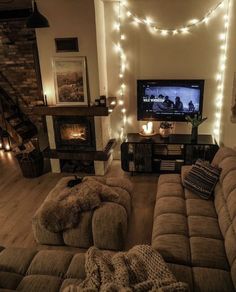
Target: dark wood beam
{"x":80,"y":155}
{"x":70,"y":111}
{"x":14,"y":14}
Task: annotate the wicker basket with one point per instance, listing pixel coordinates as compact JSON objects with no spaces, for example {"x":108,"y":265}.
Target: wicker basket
{"x":31,"y":166}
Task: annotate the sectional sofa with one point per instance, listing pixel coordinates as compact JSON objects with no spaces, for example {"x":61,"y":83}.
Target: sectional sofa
{"x":196,"y":237}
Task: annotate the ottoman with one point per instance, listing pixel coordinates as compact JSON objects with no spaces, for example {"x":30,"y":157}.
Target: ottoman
{"x":104,"y":227}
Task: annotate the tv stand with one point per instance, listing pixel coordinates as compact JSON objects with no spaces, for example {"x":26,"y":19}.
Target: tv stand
{"x":164,"y":155}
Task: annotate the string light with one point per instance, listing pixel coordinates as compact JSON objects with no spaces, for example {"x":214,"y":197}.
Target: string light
{"x":173,"y":31}
{"x":122,"y":59}
{"x":220,"y":77}
{"x":184,"y":29}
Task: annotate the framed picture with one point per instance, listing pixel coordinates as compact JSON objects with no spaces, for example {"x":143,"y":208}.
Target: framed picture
{"x":70,"y":80}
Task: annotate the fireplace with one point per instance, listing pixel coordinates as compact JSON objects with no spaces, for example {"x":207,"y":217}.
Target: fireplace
{"x":74,"y":133}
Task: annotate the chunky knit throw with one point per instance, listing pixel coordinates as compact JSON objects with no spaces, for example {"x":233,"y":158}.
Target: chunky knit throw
{"x":141,"y":269}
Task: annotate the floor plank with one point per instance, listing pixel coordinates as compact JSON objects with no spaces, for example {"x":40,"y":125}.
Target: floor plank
{"x":20,"y":198}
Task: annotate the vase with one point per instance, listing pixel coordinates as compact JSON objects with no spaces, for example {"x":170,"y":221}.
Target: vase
{"x":165,"y":132}
{"x":194,"y":134}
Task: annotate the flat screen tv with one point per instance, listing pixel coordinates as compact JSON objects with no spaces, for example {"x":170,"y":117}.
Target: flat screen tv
{"x":169,"y":100}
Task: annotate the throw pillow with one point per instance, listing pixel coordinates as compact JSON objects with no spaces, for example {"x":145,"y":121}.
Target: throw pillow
{"x":202,"y":178}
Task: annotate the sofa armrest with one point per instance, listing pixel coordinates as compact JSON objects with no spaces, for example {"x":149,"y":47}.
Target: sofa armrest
{"x":184,"y":171}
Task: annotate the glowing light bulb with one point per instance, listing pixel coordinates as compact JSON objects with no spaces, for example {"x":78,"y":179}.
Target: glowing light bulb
{"x":218,"y":77}
{"x":128,"y":13}
{"x":123,"y":110}
{"x":121,"y":102}
{"x":121,"y":75}
{"x":110,"y":110}
{"x":175,"y":31}
{"x":222,"y":36}
{"x":223,"y":47}
{"x":222,"y":67}
{"x":184,"y":30}
{"x":222,"y":4}
{"x":113,"y":103}
{"x":226,"y":17}
{"x":122,"y":86}
{"x":206,"y":19}
{"x":164,"y":32}
{"x":117,"y":26}
{"x":194,"y":21}
{"x":216,"y":132}
{"x":122,"y":37}
{"x":137,"y":20}
{"x":118,"y":47}
{"x":219,"y":104}
{"x":147,"y":21}
{"x":123,"y":57}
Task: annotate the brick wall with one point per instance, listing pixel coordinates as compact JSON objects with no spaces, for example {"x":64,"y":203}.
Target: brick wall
{"x":17,"y":63}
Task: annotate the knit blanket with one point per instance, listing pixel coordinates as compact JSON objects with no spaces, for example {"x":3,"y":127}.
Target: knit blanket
{"x":63,"y":211}
{"x":141,"y":269}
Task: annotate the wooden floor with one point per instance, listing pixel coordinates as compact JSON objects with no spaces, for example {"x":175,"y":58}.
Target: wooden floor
{"x":20,"y":197}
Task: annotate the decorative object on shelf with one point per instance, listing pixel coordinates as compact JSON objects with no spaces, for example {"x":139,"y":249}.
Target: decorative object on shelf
{"x":70,"y":80}
{"x":36,"y":19}
{"x":6,"y":141}
{"x":165,"y":129}
{"x":103,"y":100}
{"x":147,"y":130}
{"x":196,"y":121}
{"x":97,"y":102}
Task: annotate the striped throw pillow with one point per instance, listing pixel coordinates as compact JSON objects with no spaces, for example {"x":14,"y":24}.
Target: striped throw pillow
{"x":202,"y":178}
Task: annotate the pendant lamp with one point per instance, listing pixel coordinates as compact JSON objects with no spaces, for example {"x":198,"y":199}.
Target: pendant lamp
{"x":36,"y":19}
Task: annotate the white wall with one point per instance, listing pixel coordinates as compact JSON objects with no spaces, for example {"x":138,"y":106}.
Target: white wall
{"x":190,"y":56}
{"x":71,"y":18}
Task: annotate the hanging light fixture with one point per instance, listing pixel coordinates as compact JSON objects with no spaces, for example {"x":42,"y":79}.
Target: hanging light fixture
{"x":36,"y":19}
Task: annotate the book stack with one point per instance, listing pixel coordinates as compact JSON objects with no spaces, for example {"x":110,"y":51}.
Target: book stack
{"x":167,"y":165}
{"x":174,"y":149}
{"x":160,"y":150}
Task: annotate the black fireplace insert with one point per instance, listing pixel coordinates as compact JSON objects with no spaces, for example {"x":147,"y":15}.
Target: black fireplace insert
{"x":74,"y":133}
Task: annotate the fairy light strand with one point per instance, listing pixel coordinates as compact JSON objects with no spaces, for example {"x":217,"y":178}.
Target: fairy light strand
{"x":223,"y":38}
{"x":172,"y":31}
{"x":220,"y":77}
{"x":122,"y":69}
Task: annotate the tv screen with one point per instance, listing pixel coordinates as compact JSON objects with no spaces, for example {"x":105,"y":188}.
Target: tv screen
{"x":169,"y":100}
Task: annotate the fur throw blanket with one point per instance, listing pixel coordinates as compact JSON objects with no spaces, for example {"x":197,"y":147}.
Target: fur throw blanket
{"x":141,"y":269}
{"x":62,"y":212}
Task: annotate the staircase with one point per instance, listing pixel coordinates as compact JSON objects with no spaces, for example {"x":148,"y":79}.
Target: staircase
{"x":14,"y":114}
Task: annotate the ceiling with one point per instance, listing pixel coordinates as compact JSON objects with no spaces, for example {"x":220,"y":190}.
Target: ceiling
{"x":14,"y":4}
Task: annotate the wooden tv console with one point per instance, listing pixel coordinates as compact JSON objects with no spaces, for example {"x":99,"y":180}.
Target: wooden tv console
{"x":163,"y":155}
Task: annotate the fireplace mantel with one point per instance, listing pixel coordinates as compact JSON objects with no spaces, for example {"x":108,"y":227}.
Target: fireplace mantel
{"x":71,"y":111}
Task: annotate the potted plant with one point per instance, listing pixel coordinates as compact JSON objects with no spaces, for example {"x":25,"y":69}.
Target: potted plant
{"x":195,"y":121}
{"x":165,"y":129}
